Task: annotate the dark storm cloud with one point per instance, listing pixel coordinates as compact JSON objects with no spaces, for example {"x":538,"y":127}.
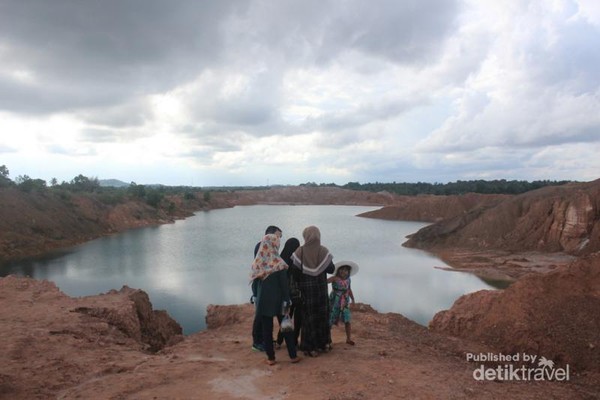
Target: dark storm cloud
{"x":88,"y":53}
{"x":318,"y":31}
{"x":401,"y":31}
{"x":99,"y":53}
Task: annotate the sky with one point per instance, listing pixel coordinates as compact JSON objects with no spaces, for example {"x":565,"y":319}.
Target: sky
{"x":250,"y":92}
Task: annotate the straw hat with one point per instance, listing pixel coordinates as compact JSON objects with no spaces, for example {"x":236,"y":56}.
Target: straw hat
{"x":353,"y":267}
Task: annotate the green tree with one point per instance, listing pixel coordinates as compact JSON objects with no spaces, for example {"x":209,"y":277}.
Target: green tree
{"x":136,"y":190}
{"x":154,"y":197}
{"x":82,"y":183}
{"x":4,"y":179}
{"x":26,"y":184}
{"x":4,"y":171}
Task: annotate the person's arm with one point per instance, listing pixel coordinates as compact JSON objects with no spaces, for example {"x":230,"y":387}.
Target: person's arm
{"x":330,"y":268}
{"x":332,"y":279}
{"x":254,"y":287}
{"x":351,"y":296}
{"x":284,"y":284}
{"x":254,"y":282}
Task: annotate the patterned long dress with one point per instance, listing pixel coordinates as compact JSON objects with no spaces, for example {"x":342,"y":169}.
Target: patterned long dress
{"x":339,"y":301}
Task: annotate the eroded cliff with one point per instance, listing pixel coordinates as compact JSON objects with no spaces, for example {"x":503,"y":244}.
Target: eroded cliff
{"x":552,"y":219}
{"x":554,"y":314}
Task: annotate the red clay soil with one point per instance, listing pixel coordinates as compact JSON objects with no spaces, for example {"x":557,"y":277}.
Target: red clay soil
{"x":553,"y":314}
{"x":54,"y":346}
{"x":548,"y":220}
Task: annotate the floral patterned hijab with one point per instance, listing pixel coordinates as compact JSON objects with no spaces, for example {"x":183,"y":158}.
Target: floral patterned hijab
{"x":267,"y":258}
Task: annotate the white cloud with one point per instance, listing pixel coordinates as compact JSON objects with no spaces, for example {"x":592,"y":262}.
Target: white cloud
{"x":300,"y":91}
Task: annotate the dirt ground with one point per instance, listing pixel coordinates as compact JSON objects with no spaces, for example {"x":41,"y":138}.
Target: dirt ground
{"x":50,"y":349}
{"x":393,"y":359}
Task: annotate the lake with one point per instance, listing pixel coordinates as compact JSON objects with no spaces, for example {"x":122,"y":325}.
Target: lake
{"x":206,"y":259}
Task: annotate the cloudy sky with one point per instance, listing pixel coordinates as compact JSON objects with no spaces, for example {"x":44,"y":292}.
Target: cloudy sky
{"x":285,"y":92}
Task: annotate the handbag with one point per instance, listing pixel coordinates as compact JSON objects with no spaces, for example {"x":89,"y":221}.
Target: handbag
{"x":287,"y":324}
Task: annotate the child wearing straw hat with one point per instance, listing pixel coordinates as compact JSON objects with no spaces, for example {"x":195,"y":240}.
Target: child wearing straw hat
{"x":340,"y":296}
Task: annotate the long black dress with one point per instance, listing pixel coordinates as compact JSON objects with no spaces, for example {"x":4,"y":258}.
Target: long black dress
{"x":315,"y":333}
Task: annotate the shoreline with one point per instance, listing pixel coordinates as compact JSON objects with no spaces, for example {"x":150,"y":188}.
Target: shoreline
{"x":42,"y":239}
{"x":501,"y":265}
{"x":498,"y":266}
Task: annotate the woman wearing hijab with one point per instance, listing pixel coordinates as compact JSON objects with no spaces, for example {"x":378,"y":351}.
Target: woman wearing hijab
{"x":294,"y":276}
{"x":273,"y":289}
{"x":315,"y":262}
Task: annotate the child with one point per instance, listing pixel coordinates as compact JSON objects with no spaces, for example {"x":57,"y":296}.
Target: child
{"x":340,"y":296}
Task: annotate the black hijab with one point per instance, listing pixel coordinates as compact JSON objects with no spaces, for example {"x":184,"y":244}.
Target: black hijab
{"x":288,"y":249}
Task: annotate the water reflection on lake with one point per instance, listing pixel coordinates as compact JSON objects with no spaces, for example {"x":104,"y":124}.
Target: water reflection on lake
{"x":206,"y":259}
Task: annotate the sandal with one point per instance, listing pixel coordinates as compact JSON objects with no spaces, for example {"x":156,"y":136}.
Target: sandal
{"x":295,"y":360}
{"x":350,"y":342}
{"x":270,"y":362}
{"x":310,"y":353}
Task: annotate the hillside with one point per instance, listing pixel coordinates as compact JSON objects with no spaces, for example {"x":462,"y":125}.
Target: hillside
{"x":552,"y":219}
{"x":533,"y":232}
{"x":32,"y":223}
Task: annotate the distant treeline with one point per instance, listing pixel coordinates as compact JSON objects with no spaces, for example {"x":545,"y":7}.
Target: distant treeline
{"x":154,"y":194}
{"x":501,"y":186}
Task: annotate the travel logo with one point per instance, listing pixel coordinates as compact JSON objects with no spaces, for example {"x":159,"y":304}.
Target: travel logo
{"x":516,"y":367}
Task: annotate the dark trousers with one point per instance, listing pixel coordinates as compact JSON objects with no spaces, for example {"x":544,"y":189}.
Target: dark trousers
{"x":257,"y":330}
{"x":290,"y":341}
{"x":296,"y":313}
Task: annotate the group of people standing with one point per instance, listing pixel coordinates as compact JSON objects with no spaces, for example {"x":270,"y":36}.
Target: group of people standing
{"x":293,"y":284}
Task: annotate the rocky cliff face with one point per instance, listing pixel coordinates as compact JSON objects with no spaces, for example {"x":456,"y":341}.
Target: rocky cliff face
{"x":50,"y":340}
{"x":552,"y":219}
{"x":554,"y":315}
